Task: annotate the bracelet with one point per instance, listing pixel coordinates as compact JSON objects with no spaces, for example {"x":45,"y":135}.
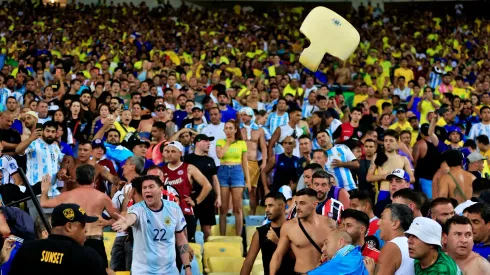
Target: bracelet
{"x":195,"y":201}
{"x":186,"y":266}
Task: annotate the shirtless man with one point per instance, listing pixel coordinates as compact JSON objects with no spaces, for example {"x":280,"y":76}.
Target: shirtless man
{"x":457,"y":183}
{"x":91,"y":200}
{"x":393,"y":161}
{"x":255,"y":137}
{"x":84,"y":153}
{"x":145,"y":125}
{"x":307,"y":254}
{"x":443,"y":170}
{"x":342,"y":75}
{"x":458,"y":240}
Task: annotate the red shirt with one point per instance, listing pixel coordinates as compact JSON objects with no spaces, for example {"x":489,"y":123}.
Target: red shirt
{"x":179,"y":179}
{"x":373,"y":226}
{"x":371,"y":252}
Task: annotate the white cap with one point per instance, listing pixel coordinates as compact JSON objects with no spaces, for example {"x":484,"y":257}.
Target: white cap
{"x":427,"y":230}
{"x":177,"y":145}
{"x":32,"y":113}
{"x":462,"y":206}
{"x":475,"y":156}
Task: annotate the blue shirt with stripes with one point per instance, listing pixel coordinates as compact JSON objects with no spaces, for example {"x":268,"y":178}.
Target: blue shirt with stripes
{"x":343,"y":176}
{"x":275,"y":121}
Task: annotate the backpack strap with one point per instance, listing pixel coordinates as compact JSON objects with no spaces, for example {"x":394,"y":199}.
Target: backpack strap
{"x":308,"y":237}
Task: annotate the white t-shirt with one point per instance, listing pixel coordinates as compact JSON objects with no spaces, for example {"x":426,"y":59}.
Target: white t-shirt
{"x":218,"y":132}
{"x":154,"y":238}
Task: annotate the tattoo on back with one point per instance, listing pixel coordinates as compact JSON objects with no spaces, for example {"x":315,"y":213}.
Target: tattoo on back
{"x":183,"y":249}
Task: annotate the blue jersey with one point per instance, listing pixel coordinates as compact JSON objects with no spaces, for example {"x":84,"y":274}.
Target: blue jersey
{"x":154,"y":238}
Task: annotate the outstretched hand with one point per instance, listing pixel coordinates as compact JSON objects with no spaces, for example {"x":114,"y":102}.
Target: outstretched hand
{"x":121,"y":224}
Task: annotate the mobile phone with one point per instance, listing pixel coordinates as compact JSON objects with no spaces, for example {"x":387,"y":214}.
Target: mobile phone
{"x":39,"y":125}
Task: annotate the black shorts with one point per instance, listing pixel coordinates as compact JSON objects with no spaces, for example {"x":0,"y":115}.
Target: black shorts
{"x":205,"y":212}
{"x":98,"y":245}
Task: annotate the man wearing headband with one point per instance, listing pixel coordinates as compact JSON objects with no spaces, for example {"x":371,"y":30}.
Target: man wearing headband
{"x":255,"y":137}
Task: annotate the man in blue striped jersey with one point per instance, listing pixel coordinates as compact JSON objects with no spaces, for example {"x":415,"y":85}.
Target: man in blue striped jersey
{"x":340,"y":161}
{"x":157,"y":226}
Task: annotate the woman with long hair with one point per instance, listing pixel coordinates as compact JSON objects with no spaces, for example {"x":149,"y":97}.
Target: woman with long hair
{"x":103,"y":112}
{"x":77,"y":123}
{"x":232,"y":174}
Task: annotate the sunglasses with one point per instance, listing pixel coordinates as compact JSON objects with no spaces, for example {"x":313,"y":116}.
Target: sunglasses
{"x":288,"y":143}
{"x":160,"y":110}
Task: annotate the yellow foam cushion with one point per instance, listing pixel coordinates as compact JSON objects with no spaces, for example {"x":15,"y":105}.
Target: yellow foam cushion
{"x":330,"y":33}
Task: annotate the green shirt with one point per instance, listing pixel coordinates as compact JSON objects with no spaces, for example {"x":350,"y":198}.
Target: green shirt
{"x":443,"y":266}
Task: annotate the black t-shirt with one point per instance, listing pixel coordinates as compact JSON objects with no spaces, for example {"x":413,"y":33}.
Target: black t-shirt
{"x":56,"y":255}
{"x":10,"y":136}
{"x":207,"y":167}
{"x":268,"y":247}
{"x":148,"y":102}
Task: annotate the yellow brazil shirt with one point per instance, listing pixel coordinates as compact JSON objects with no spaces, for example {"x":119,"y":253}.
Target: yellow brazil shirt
{"x":407,"y":73}
{"x":234,"y":152}
{"x":294,"y":92}
{"x":486,"y":168}
{"x":403,"y":126}
{"x":358,"y":99}
{"x":463,"y":93}
{"x":379,"y":104}
{"x":425,"y":109}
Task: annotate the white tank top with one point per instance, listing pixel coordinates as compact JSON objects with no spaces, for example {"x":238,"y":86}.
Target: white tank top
{"x":406,"y":267}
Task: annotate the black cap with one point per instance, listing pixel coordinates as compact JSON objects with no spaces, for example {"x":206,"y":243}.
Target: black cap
{"x":97,"y":143}
{"x":132,"y":140}
{"x":196,"y":108}
{"x":202,"y":137}
{"x":401,"y":110}
{"x":222,"y":93}
{"x":70,"y":212}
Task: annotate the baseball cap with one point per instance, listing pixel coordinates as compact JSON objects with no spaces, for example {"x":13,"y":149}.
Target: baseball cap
{"x":177,"y":145}
{"x":196,"y":108}
{"x":475,"y":156}
{"x":202,"y":137}
{"x":32,"y":113}
{"x":399,"y":173}
{"x":98,"y":143}
{"x":222,"y":93}
{"x":427,"y":230}
{"x":160,"y":106}
{"x":462,"y":206}
{"x":401,"y":110}
{"x":70,"y":212}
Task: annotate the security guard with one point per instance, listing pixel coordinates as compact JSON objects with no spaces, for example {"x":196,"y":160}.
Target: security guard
{"x":63,"y":251}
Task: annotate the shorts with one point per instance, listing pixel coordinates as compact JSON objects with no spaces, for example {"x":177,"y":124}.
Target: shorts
{"x":205,"y":212}
{"x":254,"y":172}
{"x":231,"y":176}
{"x":98,"y":245}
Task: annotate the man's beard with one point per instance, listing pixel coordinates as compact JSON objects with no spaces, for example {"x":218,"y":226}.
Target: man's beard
{"x":48,"y":140}
{"x":222,"y":104}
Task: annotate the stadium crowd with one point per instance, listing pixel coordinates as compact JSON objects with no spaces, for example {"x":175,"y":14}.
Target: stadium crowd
{"x":151,"y":121}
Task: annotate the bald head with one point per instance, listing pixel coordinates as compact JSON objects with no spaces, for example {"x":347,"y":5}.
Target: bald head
{"x":334,"y":242}
{"x":338,"y":235}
